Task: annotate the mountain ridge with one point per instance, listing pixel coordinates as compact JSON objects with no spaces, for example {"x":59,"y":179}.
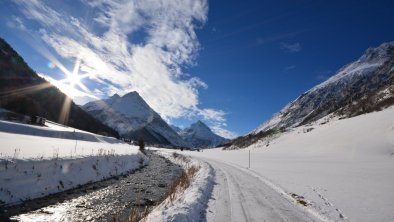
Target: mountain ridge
{"x":342,"y":81}
{"x":347,"y":93}
{"x":133,"y":118}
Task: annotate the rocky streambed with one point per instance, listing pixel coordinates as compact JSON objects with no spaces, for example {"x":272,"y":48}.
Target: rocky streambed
{"x":108,"y":200}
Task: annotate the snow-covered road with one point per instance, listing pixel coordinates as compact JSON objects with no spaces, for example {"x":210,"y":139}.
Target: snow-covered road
{"x":241,"y":196}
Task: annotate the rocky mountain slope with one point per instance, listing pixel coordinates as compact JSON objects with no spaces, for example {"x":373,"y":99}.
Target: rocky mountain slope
{"x":24,"y":92}
{"x":133,"y":118}
{"x":199,"y":135}
{"x":362,"y":86}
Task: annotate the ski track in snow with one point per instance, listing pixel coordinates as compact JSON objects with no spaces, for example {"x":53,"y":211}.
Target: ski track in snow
{"x":240,"y":196}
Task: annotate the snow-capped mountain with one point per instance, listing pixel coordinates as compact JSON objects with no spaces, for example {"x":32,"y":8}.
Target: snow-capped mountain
{"x":363,"y":86}
{"x":132,"y":117}
{"x":199,"y":135}
{"x":351,"y":83}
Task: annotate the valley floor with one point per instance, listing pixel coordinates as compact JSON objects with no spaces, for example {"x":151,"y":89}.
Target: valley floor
{"x":341,"y":170}
{"x":331,"y":170}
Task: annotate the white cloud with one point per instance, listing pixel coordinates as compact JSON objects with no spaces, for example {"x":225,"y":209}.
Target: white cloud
{"x":288,"y":68}
{"x":132,"y":46}
{"x":293,"y":48}
{"x":221,"y":131}
{"x":212,"y":114}
{"x":16,"y":22}
{"x":217,"y":121}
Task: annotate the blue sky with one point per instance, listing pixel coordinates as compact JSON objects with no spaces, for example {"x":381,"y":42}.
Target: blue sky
{"x":230,"y":63}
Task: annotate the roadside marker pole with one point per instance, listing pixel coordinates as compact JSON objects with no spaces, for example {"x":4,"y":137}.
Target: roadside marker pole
{"x":249,"y":159}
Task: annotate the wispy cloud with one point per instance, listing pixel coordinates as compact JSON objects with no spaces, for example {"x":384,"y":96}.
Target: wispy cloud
{"x":288,"y":68}
{"x":212,"y":114}
{"x":276,"y":37}
{"x":217,"y":121}
{"x":291,"y":47}
{"x":16,"y":22}
{"x":117,"y":63}
{"x":221,"y":131}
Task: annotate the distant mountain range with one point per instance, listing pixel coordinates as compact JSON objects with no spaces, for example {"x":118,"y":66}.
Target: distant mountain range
{"x":363,"y":86}
{"x":133,"y":118}
{"x":24,"y":92}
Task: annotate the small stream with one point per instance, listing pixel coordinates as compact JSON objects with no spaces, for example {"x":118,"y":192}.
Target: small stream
{"x":104,"y":200}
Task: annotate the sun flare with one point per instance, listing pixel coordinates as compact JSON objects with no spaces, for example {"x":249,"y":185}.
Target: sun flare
{"x":73,"y":79}
{"x":72,"y":84}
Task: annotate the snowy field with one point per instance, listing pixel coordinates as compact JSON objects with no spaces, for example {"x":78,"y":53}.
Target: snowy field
{"x":35,"y":166}
{"x":342,"y":168}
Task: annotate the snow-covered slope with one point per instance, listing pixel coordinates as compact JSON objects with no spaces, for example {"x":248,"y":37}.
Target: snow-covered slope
{"x":116,"y":109}
{"x":54,"y":130}
{"x":343,"y":169}
{"x":132,"y":117}
{"x":352,"y":82}
{"x":199,"y":135}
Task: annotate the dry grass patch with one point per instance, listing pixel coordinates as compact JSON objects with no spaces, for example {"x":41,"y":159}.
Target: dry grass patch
{"x":181,"y":183}
{"x":135,"y":216}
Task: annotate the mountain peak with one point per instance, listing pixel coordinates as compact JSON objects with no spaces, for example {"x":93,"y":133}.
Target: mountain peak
{"x":132,"y":93}
{"x":135,"y":96}
{"x":114,"y":96}
{"x":133,"y":105}
{"x":130,"y":105}
{"x":200,"y":135}
{"x":199,"y":123}
{"x":134,"y":118}
{"x":382,"y":52}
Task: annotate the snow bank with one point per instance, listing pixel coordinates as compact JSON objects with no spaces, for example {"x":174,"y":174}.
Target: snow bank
{"x":189,"y":205}
{"x":28,"y":179}
{"x":343,"y":168}
{"x":35,"y":166}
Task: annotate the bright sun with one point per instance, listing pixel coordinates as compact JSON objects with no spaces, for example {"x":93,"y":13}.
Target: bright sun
{"x":72,"y":85}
